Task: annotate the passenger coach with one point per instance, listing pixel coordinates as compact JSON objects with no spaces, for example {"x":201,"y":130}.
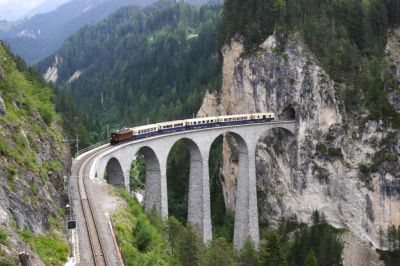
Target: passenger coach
{"x":148,"y":131}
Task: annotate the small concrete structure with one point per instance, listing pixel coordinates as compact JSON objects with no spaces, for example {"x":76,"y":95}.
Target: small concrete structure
{"x":118,"y":159}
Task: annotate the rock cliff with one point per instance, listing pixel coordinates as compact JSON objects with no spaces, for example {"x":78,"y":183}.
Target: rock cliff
{"x":323,"y":167}
{"x":33,"y":163}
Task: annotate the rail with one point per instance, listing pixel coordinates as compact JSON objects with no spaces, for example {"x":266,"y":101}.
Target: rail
{"x":94,"y":146}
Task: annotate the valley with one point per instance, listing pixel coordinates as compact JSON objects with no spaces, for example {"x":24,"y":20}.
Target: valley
{"x":319,"y":188}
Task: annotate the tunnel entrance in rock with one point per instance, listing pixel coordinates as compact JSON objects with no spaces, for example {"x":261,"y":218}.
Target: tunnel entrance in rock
{"x":289,"y":113}
{"x":114,"y":174}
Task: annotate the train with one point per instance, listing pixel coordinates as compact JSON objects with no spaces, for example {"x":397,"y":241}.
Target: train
{"x":147,"y":131}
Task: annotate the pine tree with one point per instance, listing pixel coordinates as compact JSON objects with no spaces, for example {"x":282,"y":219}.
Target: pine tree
{"x":381,"y":236}
{"x":272,"y":252}
{"x":248,"y":255}
{"x":311,"y":259}
{"x":190,"y":247}
{"x":315,"y":217}
{"x":219,"y":252}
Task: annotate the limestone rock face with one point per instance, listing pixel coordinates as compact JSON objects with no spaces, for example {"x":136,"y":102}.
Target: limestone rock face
{"x":319,"y":168}
{"x":51,"y":74}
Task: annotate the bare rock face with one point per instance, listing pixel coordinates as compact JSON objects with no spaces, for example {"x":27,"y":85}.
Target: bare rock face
{"x":319,"y":168}
{"x":2,"y":107}
{"x":27,"y":259}
{"x":210,"y":106}
{"x":51,"y":74}
{"x":358,"y":253}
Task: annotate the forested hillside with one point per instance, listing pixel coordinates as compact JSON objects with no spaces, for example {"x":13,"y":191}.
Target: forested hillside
{"x":39,"y":36}
{"x":347,"y":37}
{"x":140,"y":65}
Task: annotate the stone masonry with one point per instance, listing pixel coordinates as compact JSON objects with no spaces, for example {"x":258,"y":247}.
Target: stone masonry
{"x":117,"y":160}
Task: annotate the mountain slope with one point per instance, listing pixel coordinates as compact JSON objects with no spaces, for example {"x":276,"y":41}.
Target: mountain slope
{"x":45,"y":7}
{"x":334,"y":68}
{"x":33,"y":161}
{"x":42,"y":34}
{"x":150,"y":63}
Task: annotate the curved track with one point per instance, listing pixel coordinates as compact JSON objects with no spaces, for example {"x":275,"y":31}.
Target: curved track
{"x":97,"y":247}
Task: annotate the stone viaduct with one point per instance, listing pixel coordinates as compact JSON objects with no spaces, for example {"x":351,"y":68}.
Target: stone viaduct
{"x":117,"y":161}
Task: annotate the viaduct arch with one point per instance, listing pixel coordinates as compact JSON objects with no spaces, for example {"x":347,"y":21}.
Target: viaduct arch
{"x":117,"y":161}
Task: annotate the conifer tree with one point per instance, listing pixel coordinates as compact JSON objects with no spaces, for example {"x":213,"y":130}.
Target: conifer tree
{"x":311,"y":259}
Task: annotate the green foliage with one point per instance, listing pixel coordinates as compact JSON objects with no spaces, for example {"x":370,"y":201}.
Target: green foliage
{"x":218,"y":252}
{"x":149,"y":240}
{"x":384,"y":155}
{"x":347,"y":37}
{"x":190,"y":247}
{"x":153,"y":63}
{"x":3,"y":237}
{"x":29,"y":103}
{"x":7,"y":260}
{"x":321,"y":238}
{"x":311,"y":259}
{"x":139,"y":241}
{"x":178,"y":180}
{"x":52,"y":166}
{"x":272,"y":251}
{"x":248,"y":255}
{"x":329,"y":151}
{"x":51,"y":249}
{"x":222,"y":220}
{"x":138,"y":173}
{"x":391,"y":256}
{"x":5,"y":149}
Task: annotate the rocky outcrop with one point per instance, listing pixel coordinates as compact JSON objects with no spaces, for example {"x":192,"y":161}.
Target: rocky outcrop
{"x":357,"y":252}
{"x":75,"y":76}
{"x":33,"y":163}
{"x":51,"y":74}
{"x":2,"y":107}
{"x":321,"y":168}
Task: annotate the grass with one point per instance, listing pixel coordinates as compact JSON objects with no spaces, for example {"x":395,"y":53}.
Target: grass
{"x":25,"y":97}
{"x":51,"y":249}
{"x":3,"y":237}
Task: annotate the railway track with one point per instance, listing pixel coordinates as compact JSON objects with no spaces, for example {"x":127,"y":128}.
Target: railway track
{"x":96,"y":246}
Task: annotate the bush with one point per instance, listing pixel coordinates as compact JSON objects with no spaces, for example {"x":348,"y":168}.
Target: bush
{"x":47,"y":113}
{"x":139,"y":241}
{"x":3,"y":237}
{"x":5,"y":149}
{"x":330,"y":152}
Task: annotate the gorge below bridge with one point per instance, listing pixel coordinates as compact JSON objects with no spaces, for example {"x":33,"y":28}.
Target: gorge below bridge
{"x":117,"y":161}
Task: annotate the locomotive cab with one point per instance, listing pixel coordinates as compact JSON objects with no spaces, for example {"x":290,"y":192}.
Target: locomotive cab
{"x":121,"y":136}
